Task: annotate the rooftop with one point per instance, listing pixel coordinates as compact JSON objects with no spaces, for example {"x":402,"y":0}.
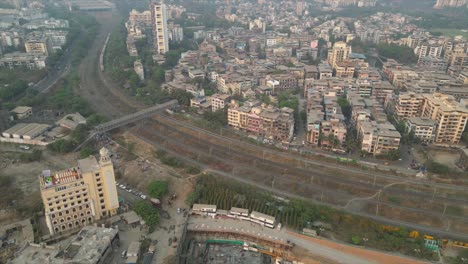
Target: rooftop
{"x":421,"y":121}
{"x":88,"y":164}
{"x":87,"y":247}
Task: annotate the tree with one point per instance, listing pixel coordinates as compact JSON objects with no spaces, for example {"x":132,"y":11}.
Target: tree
{"x":61,"y":146}
{"x":148,"y":213}
{"x":402,"y":54}
{"x":86,"y":152}
{"x":345,"y":107}
{"x":182,"y":96}
{"x":157,"y":189}
{"x":356,"y":240}
{"x":35,"y":155}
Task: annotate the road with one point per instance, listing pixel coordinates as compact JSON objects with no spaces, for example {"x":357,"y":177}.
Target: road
{"x":336,"y":252}
{"x":60,"y":70}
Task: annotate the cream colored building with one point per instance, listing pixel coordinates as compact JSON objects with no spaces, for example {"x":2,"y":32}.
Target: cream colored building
{"x":160,"y":30}
{"x":378,"y":138}
{"x":218,"y":101}
{"x":81,"y":195}
{"x":450,"y":116}
{"x":38,"y":46}
{"x":409,"y":105}
{"x":340,"y":52}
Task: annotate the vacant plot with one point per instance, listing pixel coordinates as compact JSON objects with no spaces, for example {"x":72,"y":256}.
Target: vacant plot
{"x":445,"y":156}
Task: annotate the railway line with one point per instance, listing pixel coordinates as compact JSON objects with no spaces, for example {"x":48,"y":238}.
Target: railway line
{"x":441,"y":231}
{"x":264,"y":167}
{"x":268,"y":168}
{"x":229,"y":153}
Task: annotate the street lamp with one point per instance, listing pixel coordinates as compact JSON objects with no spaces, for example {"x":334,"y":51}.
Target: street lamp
{"x":365,"y":239}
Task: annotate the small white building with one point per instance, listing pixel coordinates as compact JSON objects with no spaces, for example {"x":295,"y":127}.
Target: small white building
{"x":204,"y":209}
{"x":262,"y":219}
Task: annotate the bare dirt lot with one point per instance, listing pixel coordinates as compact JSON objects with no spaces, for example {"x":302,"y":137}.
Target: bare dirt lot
{"x":447,"y":157}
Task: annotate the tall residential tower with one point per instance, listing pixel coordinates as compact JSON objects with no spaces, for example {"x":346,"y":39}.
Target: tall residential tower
{"x":159,"y":24}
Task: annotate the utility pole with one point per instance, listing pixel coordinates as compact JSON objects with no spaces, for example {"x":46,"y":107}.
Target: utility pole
{"x":378,"y":201}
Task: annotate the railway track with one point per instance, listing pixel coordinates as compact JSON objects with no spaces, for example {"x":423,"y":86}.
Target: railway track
{"x":229,"y":153}
{"x":192,"y":147}
{"x":442,"y":231}
{"x":107,"y":99}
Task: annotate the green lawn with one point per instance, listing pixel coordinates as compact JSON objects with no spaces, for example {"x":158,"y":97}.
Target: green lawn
{"x":451,"y":32}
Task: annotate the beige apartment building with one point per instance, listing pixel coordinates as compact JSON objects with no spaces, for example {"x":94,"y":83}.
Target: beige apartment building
{"x":345,"y":69}
{"x":144,"y":17}
{"x":340,"y":52}
{"x":450,"y":116}
{"x":458,"y":57}
{"x":79,"y":196}
{"x":409,"y":105}
{"x":38,"y":46}
{"x":378,"y":138}
{"x":218,"y":101}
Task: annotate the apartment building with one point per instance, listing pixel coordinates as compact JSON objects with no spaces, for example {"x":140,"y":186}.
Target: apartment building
{"x":382,"y":90}
{"x":432,"y":63}
{"x":378,"y":138}
{"x":450,"y":3}
{"x":20,"y":59}
{"x":285,"y":81}
{"x":233,"y":83}
{"x":39,"y":45}
{"x":429,"y":50}
{"x":218,"y":101}
{"x":144,"y":17}
{"x":160,"y":29}
{"x":345,"y":69}
{"x":423,"y":128}
{"x":262,"y":121}
{"x":421,"y":86}
{"x":340,"y":52}
{"x":450,"y":116}
{"x":81,"y":195}
{"x":458,"y":57}
{"x":408,"y":105}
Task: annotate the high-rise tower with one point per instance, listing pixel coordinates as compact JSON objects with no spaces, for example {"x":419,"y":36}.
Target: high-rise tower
{"x":159,"y":24}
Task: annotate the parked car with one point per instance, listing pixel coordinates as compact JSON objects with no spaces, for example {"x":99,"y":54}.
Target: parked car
{"x":143,"y":197}
{"x":124,"y":254}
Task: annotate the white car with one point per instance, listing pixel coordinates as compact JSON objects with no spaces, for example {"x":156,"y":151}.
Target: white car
{"x":122,"y":186}
{"x":143,"y":197}
{"x":129,"y":190}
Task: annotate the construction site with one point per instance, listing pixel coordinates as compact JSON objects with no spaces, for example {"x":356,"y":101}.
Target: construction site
{"x":229,"y":253}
